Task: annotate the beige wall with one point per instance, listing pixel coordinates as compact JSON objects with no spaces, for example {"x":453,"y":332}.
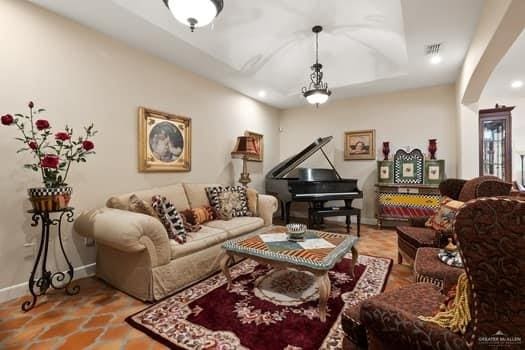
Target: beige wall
{"x":81,"y":76}
{"x":405,"y":118}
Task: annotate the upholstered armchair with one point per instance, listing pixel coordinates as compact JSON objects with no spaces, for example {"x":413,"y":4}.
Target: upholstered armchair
{"x":491,"y":235}
{"x":414,"y":236}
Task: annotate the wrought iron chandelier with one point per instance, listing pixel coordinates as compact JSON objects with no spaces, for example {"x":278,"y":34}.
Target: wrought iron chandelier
{"x":317,"y":92}
{"x":195,"y":13}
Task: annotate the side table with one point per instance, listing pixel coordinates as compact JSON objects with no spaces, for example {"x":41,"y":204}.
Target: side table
{"x":56,"y":280}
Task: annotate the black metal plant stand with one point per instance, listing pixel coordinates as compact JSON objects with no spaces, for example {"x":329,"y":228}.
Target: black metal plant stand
{"x":57,"y":280}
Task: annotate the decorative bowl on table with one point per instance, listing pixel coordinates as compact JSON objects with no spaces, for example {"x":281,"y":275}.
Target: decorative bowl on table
{"x":296,"y":232}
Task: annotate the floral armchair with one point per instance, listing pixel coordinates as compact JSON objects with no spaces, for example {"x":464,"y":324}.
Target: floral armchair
{"x":491,"y":234}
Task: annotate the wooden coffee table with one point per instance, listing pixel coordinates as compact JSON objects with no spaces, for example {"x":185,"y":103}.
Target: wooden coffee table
{"x":317,"y":254}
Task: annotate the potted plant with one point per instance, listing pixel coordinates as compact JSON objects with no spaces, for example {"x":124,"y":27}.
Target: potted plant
{"x":53,"y":153}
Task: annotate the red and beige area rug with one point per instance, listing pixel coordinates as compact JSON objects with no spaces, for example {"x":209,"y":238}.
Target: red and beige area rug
{"x":264,"y":309}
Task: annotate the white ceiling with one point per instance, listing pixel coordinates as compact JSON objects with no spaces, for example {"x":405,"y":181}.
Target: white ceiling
{"x":509,"y":69}
{"x":368,"y":46}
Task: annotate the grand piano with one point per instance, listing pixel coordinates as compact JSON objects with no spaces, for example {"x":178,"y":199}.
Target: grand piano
{"x":290,"y":183}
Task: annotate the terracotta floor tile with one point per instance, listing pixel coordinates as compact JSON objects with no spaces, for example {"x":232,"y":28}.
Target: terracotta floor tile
{"x":63,"y":328}
{"x":28,"y":335}
{"x":47,"y":318}
{"x":98,"y":321}
{"x":46,"y":345}
{"x":139,"y":344}
{"x":14,"y":323}
{"x":81,"y":340}
{"x":118,"y":332}
{"x":113,"y":345}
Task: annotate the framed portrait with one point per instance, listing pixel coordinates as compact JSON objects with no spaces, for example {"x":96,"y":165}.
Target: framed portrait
{"x":259,"y":146}
{"x":360,"y":145}
{"x":164,"y":141}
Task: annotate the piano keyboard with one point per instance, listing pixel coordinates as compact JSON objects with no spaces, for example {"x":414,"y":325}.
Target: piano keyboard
{"x":326,"y":194}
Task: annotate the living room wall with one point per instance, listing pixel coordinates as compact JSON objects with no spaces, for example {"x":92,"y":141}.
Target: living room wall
{"x":82,"y":76}
{"x":405,"y":118}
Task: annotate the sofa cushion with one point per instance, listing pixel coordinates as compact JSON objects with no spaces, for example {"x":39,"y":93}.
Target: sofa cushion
{"x":196,"y":241}
{"x":196,"y":194}
{"x":237,"y":226}
{"x":174,"y":193}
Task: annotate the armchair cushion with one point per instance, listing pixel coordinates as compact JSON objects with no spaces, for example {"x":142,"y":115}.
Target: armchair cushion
{"x":428,"y":268}
{"x":391,"y":319}
{"x":417,"y":236}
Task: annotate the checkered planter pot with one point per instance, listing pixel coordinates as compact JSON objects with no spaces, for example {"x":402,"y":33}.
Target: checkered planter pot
{"x":49,"y":199}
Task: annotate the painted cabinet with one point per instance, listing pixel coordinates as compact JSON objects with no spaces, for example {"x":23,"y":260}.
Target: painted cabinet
{"x":396,"y":203}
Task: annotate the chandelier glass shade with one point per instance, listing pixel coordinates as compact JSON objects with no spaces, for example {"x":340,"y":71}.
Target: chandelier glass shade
{"x":317,"y":91}
{"x":195,"y":13}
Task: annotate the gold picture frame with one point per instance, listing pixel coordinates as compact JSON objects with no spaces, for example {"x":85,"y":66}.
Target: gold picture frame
{"x":164,"y":142}
{"x":259,"y":145}
{"x":360,"y":145}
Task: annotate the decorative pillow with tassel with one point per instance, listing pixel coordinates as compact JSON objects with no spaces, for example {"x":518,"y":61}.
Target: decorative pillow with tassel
{"x":445,"y":217}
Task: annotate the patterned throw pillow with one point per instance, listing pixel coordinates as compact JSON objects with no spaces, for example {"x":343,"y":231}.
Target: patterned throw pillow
{"x":170,"y":218}
{"x":229,"y":201}
{"x":444,"y":218}
{"x":140,"y":206}
{"x":201,"y":215}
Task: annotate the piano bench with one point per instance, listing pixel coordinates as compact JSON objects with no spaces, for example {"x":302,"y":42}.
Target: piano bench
{"x":348,"y":212}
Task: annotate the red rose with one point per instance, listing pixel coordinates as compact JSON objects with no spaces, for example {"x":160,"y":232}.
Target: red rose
{"x":42,"y":124}
{"x":62,"y":136}
{"x":50,"y":161}
{"x":7,"y":119}
{"x":33,"y":145}
{"x":88,"y":145}
{"x":31,"y":104}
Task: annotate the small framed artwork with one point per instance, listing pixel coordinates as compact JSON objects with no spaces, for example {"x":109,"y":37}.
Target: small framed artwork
{"x":385,"y":172}
{"x":434,"y":171}
{"x":259,"y":146}
{"x":360,"y":145}
{"x":164,"y":141}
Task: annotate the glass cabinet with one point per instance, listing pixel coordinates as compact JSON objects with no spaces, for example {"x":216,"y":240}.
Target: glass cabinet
{"x":495,"y":133}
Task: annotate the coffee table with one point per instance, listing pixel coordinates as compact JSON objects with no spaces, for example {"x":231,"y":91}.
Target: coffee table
{"x":317,"y":254}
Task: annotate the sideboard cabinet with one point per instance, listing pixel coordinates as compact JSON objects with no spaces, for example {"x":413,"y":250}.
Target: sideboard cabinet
{"x":396,"y":203}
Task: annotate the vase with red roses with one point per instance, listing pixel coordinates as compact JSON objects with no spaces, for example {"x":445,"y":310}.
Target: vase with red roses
{"x":52,"y":153}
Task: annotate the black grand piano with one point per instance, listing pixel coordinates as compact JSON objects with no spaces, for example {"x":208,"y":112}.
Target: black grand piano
{"x":290,"y":183}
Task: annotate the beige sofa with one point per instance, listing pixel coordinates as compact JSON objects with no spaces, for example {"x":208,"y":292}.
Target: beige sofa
{"x":135,"y":255}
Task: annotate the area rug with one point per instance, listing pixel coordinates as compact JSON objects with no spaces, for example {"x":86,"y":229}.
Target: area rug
{"x":264,"y":309}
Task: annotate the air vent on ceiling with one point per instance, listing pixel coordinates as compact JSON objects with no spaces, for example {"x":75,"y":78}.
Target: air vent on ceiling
{"x":432,"y":49}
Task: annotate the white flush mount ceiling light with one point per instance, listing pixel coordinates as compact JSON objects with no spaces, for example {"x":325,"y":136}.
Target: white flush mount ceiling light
{"x":317,"y":91}
{"x":432,"y":51}
{"x":262,"y":93}
{"x":195,"y":13}
{"x":516,"y":84}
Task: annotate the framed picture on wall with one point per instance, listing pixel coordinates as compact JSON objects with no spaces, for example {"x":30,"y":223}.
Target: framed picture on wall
{"x":164,"y":141}
{"x":259,"y":146}
{"x":360,"y":145}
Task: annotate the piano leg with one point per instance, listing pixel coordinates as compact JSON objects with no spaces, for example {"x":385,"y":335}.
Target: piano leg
{"x":287,"y":212}
{"x":282,"y":210}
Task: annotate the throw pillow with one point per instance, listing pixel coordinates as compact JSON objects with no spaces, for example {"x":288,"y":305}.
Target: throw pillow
{"x":189,"y":227}
{"x":253,"y":199}
{"x":444,"y":218}
{"x":229,"y":200}
{"x":116,"y":203}
{"x":201,"y":215}
{"x":140,"y":206}
{"x":171,"y":219}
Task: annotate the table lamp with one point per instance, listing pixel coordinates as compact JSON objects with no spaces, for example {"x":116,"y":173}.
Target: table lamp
{"x":244,"y":148}
{"x":521,"y":153}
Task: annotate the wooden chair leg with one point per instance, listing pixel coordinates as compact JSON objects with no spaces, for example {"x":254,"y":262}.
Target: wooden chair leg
{"x":348,"y":224}
{"x":399,"y":258}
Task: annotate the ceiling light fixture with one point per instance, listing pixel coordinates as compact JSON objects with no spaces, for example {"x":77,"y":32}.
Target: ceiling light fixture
{"x":262,"y":93}
{"x":516,"y":84}
{"x":317,"y":92}
{"x":436,"y":59}
{"x":195,"y":13}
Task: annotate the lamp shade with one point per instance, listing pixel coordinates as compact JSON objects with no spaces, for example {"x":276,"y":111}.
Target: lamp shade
{"x":244,"y":147}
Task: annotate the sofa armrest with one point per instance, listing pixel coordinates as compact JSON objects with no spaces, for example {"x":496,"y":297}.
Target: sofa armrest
{"x":126,"y":231}
{"x":267,"y":205}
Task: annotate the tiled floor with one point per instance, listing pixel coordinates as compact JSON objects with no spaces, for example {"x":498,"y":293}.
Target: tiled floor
{"x":94,"y":319}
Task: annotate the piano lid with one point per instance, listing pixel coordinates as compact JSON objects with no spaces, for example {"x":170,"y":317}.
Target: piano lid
{"x":283,"y":168}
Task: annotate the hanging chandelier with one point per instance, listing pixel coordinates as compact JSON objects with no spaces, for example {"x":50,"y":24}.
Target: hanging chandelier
{"x":317,"y":92}
{"x":195,"y":13}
